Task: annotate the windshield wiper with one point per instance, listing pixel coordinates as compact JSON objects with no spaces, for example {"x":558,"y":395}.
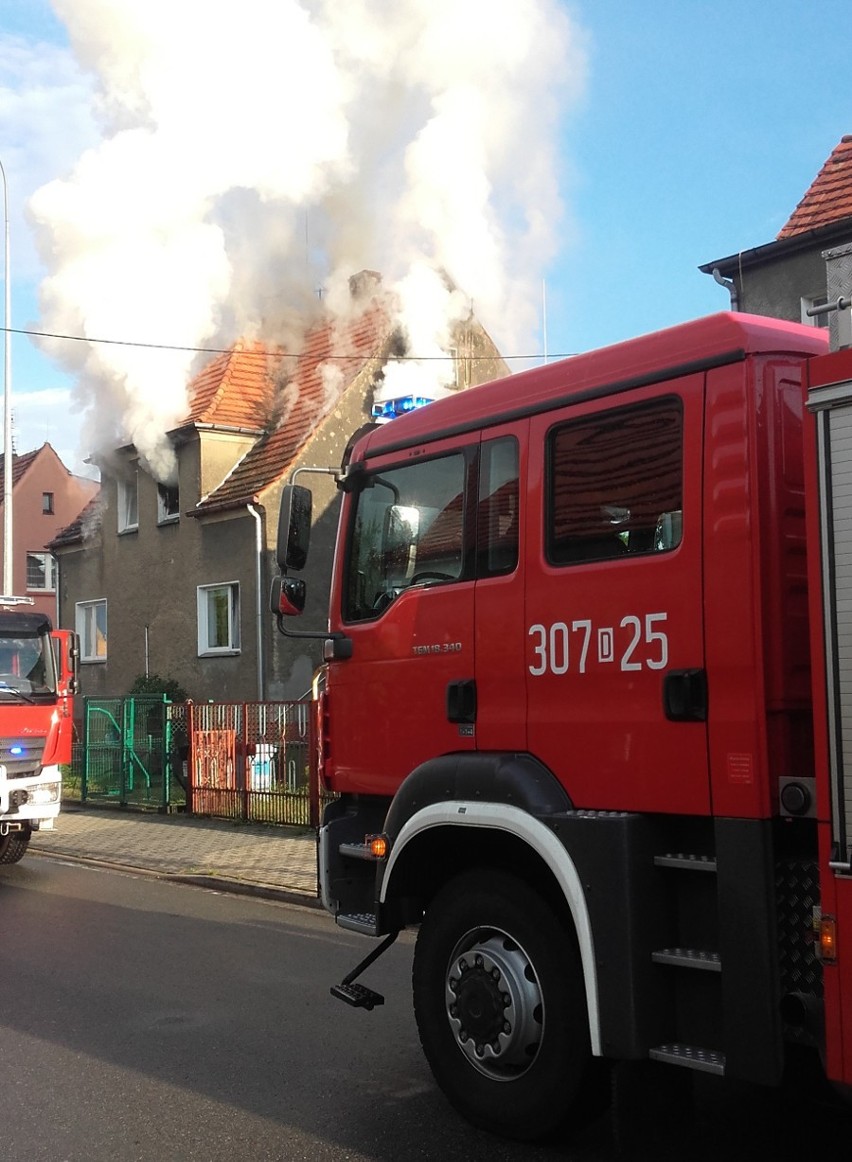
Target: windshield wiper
{"x":16,"y":693}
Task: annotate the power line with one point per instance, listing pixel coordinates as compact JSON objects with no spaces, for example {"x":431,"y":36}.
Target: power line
{"x":264,"y":352}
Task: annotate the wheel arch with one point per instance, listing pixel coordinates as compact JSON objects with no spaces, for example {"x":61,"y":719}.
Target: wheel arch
{"x":441,"y":840}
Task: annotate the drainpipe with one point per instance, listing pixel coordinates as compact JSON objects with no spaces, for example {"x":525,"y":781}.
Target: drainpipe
{"x":729,"y":285}
{"x":259,"y":607}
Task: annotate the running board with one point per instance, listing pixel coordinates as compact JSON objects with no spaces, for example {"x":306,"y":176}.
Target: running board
{"x":366,"y":923}
{"x":688,"y":958}
{"x":690,"y":1057}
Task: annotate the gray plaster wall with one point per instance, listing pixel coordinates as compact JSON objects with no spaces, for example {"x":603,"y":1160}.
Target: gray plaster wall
{"x":150,"y":577}
{"x":776,"y":288}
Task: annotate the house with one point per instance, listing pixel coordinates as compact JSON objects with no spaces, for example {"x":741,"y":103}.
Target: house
{"x":787,"y":277}
{"x":173,"y":578}
{"x":45,"y":496}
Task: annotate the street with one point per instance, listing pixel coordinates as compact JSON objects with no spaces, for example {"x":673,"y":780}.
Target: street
{"x":144,"y":1020}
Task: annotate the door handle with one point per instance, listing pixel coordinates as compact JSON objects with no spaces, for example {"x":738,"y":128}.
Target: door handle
{"x":461,"y":701}
{"x":685,"y":695}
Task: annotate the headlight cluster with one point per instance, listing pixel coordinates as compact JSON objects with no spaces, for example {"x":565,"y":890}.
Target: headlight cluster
{"x":44,"y":793}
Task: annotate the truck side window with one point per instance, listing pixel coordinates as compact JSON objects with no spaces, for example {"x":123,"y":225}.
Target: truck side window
{"x":408,"y":529}
{"x":615,"y":483}
{"x":497,"y":509}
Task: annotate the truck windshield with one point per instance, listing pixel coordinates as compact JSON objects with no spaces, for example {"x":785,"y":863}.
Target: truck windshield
{"x":26,"y":665}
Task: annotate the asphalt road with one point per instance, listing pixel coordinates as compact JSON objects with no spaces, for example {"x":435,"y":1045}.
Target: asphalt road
{"x":144,"y":1020}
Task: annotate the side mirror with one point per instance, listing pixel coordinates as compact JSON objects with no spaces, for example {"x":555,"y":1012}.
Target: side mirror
{"x":294,"y":527}
{"x":287,"y":598}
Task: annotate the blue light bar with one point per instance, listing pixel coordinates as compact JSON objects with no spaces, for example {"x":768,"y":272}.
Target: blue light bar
{"x":398,"y":407}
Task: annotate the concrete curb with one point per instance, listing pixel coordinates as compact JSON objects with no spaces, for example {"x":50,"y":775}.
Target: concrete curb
{"x":198,"y":880}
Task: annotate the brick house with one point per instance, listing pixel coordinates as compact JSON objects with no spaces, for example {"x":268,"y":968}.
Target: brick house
{"x":173,"y":579}
{"x":45,"y":497}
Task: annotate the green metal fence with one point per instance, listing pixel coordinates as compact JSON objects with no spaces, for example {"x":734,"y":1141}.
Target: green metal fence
{"x":237,"y":760}
{"x":128,"y":753}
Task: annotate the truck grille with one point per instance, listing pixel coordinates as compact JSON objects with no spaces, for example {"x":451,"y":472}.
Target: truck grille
{"x":22,"y":756}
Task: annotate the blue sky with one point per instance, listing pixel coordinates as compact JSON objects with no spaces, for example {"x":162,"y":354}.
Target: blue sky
{"x":700,"y":126}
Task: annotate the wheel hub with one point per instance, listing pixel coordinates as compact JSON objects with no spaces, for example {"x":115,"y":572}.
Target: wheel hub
{"x":494,"y":1003}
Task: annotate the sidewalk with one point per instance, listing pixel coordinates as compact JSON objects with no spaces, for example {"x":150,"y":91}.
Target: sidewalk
{"x":274,"y":862}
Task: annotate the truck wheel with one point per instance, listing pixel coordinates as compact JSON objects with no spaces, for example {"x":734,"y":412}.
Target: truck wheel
{"x":500,"y":1006}
{"x":13,"y":846}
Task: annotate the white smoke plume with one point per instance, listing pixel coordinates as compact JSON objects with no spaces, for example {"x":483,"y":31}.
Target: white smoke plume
{"x":252,"y":153}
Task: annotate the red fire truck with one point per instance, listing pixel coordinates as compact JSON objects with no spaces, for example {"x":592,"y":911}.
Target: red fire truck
{"x":38,"y":678}
{"x":587,"y":709}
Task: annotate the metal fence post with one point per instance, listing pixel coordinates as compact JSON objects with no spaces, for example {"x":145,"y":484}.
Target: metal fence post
{"x":84,"y":778}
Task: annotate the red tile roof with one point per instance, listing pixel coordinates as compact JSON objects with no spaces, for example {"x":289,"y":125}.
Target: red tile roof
{"x":235,"y":389}
{"x":87,"y":519}
{"x":829,"y":198}
{"x":333,"y":356}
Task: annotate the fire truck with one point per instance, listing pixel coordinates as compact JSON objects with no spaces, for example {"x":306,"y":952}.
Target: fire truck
{"x":586,"y":709}
{"x":38,"y":679}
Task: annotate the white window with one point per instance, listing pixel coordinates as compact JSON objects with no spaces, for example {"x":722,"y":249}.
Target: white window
{"x":128,"y":503}
{"x":91,"y":625}
{"x":41,"y":572}
{"x":808,"y":303}
{"x":219,"y":618}
{"x":168,"y":503}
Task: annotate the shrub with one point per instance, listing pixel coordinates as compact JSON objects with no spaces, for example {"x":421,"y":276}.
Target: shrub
{"x":155,"y":684}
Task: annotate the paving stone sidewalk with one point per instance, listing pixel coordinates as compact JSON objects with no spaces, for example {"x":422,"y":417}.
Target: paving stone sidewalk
{"x":278,"y":862}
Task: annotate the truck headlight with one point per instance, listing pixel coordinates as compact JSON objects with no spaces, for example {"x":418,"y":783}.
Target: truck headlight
{"x":44,"y":793}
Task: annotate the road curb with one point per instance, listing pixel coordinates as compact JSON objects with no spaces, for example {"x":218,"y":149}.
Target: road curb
{"x":211,"y":882}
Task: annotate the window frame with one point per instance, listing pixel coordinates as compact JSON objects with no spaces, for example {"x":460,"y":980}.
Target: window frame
{"x":48,"y":504}
{"x":83,"y":624}
{"x":50,"y":571}
{"x":203,"y":593}
{"x":164,"y":516}
{"x":816,"y":300}
{"x":127,"y":487}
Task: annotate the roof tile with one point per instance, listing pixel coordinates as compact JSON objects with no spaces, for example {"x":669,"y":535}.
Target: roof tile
{"x":303,"y":400}
{"x":829,"y":198}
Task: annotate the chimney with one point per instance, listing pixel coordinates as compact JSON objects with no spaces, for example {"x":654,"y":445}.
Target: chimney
{"x":364,"y":284}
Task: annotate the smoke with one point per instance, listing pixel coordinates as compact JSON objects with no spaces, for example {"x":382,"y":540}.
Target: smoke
{"x":251,"y":155}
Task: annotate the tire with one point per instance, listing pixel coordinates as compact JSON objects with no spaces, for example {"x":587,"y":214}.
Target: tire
{"x":13,"y":846}
{"x":500,"y":1005}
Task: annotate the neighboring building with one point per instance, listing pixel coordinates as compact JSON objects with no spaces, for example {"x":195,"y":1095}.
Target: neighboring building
{"x":785,"y":277}
{"x":174,"y":579}
{"x":45,"y":496}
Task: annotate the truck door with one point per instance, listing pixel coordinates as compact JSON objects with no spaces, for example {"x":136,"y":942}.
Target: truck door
{"x":407,"y":605}
{"x":615,"y":654}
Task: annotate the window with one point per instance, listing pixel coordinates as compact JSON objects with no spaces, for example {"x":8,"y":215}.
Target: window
{"x":615,"y":484}
{"x":219,"y":619}
{"x":127,"y":496}
{"x":497,"y":510}
{"x":168,"y":503}
{"x":407,"y":529}
{"x":91,"y":625}
{"x":47,"y":503}
{"x":810,"y":301}
{"x":41,"y":571}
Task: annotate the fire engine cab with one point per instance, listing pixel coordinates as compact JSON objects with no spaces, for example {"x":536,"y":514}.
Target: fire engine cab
{"x":585,"y":709}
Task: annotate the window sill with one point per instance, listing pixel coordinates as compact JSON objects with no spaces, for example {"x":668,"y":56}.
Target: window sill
{"x":228,"y":653}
